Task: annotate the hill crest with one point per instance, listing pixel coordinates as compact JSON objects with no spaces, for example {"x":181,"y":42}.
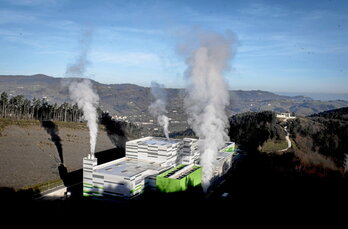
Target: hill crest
{"x":130,"y":99}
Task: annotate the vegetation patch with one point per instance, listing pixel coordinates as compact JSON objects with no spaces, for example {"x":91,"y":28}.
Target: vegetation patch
{"x":4,"y":122}
{"x":45,"y":186}
{"x":274,"y":145}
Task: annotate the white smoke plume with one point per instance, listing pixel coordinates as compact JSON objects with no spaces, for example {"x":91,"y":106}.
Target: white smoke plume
{"x":207,"y":95}
{"x":158,"y":107}
{"x":81,"y":90}
{"x":79,"y":66}
{"x":87,"y":100}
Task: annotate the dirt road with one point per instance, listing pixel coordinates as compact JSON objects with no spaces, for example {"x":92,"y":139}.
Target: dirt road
{"x":287,"y":138}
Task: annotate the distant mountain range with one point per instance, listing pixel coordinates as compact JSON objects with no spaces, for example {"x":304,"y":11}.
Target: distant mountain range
{"x":132,"y":100}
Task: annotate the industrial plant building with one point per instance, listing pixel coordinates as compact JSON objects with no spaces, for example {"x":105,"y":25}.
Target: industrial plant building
{"x":166,"y":165}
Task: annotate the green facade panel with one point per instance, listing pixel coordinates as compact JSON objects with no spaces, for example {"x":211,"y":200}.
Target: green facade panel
{"x":166,"y":184}
{"x":229,"y":149}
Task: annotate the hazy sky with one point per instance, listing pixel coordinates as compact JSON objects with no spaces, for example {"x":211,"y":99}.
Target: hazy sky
{"x":288,"y":46}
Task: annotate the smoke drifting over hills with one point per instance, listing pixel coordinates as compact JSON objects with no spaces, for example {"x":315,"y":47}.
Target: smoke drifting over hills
{"x":207,"y":93}
{"x":81,"y":90}
{"x":79,"y":66}
{"x":158,"y":107}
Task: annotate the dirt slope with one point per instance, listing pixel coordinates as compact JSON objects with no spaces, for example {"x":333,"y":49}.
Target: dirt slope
{"x":29,"y":156}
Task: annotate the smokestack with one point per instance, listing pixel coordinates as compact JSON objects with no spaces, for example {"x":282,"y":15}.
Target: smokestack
{"x":207,"y":94}
{"x":81,"y":90}
{"x":158,"y":107}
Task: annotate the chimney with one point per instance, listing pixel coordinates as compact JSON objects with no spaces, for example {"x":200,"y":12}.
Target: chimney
{"x":89,"y":163}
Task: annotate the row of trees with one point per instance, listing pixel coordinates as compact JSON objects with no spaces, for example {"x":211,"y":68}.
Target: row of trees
{"x":19,"y":107}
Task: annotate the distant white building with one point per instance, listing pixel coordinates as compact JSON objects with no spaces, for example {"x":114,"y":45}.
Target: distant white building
{"x":285,"y":116}
{"x":120,"y":117}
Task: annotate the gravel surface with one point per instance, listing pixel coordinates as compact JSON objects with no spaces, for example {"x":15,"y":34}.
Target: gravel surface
{"x":29,"y":155}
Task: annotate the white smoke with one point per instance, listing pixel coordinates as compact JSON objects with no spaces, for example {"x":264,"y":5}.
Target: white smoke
{"x":207,"y":95}
{"x":79,"y":66}
{"x":158,"y":107}
{"x":87,"y":100}
{"x":81,"y":90}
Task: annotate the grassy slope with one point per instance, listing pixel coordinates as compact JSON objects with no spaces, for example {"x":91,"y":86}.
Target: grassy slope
{"x":5,"y":122}
{"x":272,"y":145}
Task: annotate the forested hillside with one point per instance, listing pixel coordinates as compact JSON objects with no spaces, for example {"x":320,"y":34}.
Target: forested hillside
{"x":324,"y":135}
{"x":341,"y":114}
{"x":317,"y":141}
{"x":250,"y":130}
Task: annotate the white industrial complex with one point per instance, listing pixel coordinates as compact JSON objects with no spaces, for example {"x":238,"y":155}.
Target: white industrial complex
{"x":161,"y":164}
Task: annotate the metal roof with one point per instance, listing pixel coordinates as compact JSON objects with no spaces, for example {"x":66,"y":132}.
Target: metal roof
{"x":128,"y":167}
{"x":158,"y":141}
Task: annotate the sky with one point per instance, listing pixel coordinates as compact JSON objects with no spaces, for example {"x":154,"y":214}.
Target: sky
{"x":280,"y":46}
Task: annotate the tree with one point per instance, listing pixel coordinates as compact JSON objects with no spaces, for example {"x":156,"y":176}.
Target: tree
{"x":26,"y":108}
{"x":36,"y":107}
{"x":19,"y":99}
{"x":4,"y":102}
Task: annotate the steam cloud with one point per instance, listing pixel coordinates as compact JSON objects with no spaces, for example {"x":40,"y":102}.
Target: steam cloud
{"x":158,"y":107}
{"x":87,"y":100}
{"x":81,"y":90}
{"x":207,"y":95}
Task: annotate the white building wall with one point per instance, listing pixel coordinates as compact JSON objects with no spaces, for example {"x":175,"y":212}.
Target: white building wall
{"x":88,"y":169}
